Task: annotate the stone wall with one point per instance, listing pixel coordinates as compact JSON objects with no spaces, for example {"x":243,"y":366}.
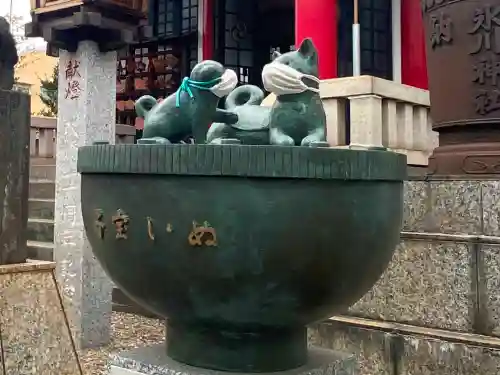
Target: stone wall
{"x":382,"y":352}
{"x":436,"y":310}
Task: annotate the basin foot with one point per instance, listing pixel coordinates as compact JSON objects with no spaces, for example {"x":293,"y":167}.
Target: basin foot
{"x":219,"y":348}
{"x":154,"y":360}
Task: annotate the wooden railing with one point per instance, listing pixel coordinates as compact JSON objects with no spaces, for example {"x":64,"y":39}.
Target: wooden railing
{"x":370,"y":111}
{"x":43,"y":136}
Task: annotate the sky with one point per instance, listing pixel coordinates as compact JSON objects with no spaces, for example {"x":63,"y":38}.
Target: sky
{"x":21,"y":8}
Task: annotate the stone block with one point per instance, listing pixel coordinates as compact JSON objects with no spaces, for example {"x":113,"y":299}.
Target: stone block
{"x":34,"y":331}
{"x":455,"y":207}
{"x":366,"y":120}
{"x":371,"y":348}
{"x":14,"y":174}
{"x":490,"y":193}
{"x":154,"y":361}
{"x":423,"y":356}
{"x":382,"y":353}
{"x":427,"y":284}
{"x":416,"y":199}
{"x":489,"y":289}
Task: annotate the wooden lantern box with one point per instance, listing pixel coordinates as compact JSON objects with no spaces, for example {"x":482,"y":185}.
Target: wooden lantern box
{"x":133,"y":6}
{"x":112,"y":24}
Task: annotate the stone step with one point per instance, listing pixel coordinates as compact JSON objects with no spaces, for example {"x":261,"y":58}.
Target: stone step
{"x":401,"y":349}
{"x":42,"y":189}
{"x":41,"y":250}
{"x":42,"y":161}
{"x":41,"y":208}
{"x":40,"y":230}
{"x":474,"y":339}
{"x":43,"y":172}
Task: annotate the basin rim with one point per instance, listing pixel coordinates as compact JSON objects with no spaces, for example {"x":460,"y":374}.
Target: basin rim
{"x":243,"y":161}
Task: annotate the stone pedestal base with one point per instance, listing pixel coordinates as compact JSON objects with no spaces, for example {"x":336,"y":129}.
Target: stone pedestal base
{"x":34,"y":330}
{"x":153,"y":360}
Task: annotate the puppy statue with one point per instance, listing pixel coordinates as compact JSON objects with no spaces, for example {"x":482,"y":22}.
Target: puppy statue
{"x":190,"y":111}
{"x":297,"y":116}
{"x":252,"y":127}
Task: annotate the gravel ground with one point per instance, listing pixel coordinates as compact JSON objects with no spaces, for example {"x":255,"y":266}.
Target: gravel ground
{"x":128,"y":331}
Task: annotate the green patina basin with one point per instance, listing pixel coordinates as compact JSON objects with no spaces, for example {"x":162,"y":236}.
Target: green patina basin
{"x":240,"y":247}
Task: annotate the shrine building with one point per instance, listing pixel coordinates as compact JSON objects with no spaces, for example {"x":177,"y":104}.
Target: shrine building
{"x":242,"y":34}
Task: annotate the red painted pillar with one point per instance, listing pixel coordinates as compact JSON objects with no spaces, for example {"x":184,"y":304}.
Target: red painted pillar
{"x":413,"y":61}
{"x":208,"y":29}
{"x":317,"y":19}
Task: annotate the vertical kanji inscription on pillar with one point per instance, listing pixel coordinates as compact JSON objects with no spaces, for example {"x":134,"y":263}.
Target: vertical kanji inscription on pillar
{"x":485,"y":30}
{"x":442,"y":29}
{"x":73,"y":89}
{"x":484,"y":35}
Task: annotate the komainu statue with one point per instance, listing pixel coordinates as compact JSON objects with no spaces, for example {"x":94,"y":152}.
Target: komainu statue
{"x":8,"y":56}
{"x":297,"y":117}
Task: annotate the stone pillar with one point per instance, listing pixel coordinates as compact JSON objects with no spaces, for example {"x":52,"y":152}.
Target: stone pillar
{"x":87,"y":101}
{"x":46,"y":143}
{"x":317,"y":19}
{"x":366,"y":120}
{"x":335,"y":110}
{"x":413,"y":58}
{"x":14,"y":175}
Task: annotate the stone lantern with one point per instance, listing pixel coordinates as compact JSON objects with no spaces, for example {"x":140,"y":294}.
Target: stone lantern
{"x":85,"y":35}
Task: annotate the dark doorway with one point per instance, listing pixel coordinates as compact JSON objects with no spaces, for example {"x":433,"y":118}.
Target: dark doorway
{"x":247,"y":32}
{"x":234,"y":39}
{"x":275,"y":31}
{"x":376,"y":38}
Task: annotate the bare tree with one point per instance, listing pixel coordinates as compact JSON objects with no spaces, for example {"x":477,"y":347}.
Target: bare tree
{"x":17,"y":27}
